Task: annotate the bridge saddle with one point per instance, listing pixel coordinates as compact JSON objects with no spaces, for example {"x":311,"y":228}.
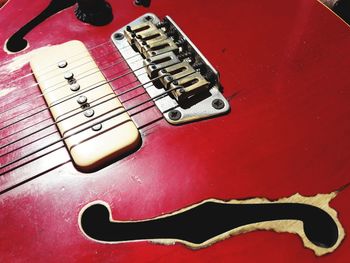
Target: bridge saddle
{"x":164,"y":59}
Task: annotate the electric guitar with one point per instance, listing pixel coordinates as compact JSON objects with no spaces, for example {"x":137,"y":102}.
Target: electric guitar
{"x":173,"y":131}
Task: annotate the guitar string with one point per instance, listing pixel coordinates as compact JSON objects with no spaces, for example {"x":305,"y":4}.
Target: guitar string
{"x":41,"y":95}
{"x":85,"y":51}
{"x":65,"y":98}
{"x":30,"y":74}
{"x":88,"y":55}
{"x":55,"y":88}
{"x":63,"y":146}
{"x":24,"y":118}
{"x":89,"y":126}
{"x":25,"y":60}
{"x":26,"y":102}
{"x":76,"y":113}
{"x":35,"y":84}
{"x":54,"y":132}
{"x":59,"y":87}
{"x":120,"y":95}
{"x":49,"y":118}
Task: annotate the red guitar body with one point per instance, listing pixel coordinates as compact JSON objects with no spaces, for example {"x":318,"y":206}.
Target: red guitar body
{"x":284,"y":67}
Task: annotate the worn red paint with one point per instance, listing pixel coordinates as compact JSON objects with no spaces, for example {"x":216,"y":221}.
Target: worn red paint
{"x":287,"y":133}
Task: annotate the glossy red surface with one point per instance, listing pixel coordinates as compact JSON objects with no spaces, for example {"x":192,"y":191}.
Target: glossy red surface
{"x":288,"y":132}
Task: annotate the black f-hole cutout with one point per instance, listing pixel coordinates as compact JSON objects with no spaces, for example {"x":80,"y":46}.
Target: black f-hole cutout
{"x":206,"y":221}
{"x":17,"y":42}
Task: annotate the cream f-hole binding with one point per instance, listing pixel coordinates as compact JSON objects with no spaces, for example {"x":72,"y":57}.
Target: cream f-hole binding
{"x":212,"y":220}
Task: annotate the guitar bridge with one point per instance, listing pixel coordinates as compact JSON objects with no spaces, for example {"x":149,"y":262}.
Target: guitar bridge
{"x":166,"y":61}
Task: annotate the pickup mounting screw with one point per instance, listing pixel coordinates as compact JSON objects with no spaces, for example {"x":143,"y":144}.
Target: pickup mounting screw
{"x":62,"y":64}
{"x":218,"y":104}
{"x":75,"y":87}
{"x":68,"y":75}
{"x":174,"y":115}
{"x":118,"y":36}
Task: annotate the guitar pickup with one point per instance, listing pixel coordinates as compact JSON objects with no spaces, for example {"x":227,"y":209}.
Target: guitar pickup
{"x":91,"y":119}
{"x":174,"y":66}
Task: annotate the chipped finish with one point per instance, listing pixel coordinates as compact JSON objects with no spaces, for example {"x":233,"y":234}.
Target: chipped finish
{"x":290,"y":226}
{"x":287,"y":133}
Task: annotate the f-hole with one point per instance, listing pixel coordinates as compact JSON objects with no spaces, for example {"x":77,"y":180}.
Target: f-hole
{"x":17,"y":42}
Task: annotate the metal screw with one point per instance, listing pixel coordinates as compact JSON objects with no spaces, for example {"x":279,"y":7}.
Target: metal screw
{"x":148,"y":18}
{"x":89,"y":113}
{"x":82,"y":99}
{"x":218,"y":104}
{"x":68,"y":75}
{"x":163,"y":71}
{"x":118,"y":36}
{"x":174,"y":115}
{"x":62,"y":64}
{"x":181,"y":90}
{"x":72,"y":81}
{"x":75,"y":87}
{"x":97,"y":127}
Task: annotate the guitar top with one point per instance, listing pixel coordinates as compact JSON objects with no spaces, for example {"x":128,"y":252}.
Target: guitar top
{"x":162,"y":133}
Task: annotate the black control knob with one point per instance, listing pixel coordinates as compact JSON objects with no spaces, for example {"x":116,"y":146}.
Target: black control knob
{"x":94,"y":12}
{"x":145,"y":3}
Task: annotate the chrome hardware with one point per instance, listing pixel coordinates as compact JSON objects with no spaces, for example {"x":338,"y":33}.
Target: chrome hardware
{"x":89,"y":113}
{"x":190,"y":84}
{"x":82,"y":99}
{"x":156,"y":63}
{"x":75,"y":87}
{"x":62,"y":64}
{"x":172,"y":61}
{"x":68,"y":75}
{"x":97,"y":127}
{"x":176,"y":72}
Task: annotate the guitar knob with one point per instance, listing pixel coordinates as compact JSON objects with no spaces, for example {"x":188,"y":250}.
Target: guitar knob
{"x":94,"y":12}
